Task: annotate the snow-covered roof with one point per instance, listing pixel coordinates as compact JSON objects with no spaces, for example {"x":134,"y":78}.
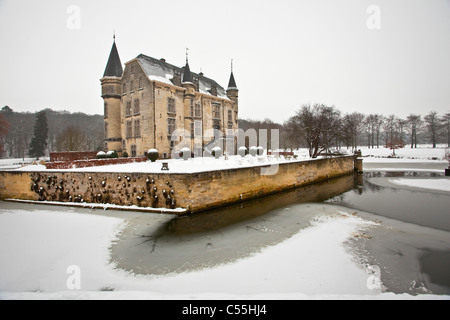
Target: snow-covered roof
{"x":162,"y":71}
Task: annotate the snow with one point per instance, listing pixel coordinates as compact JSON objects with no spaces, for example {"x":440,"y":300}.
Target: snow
{"x":433,"y":184}
{"x":160,"y":79}
{"x":423,"y":152}
{"x":192,"y":165}
{"x":373,"y":160}
{"x":104,"y":206}
{"x":313,"y":264}
{"x":47,"y":243}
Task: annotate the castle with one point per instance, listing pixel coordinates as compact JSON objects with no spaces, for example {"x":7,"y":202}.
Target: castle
{"x":152,"y":104}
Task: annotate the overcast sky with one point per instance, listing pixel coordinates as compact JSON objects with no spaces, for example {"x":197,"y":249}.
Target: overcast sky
{"x":390,"y":56}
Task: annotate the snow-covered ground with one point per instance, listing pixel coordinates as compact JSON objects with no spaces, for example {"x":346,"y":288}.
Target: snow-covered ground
{"x":422,"y":152}
{"x":431,"y":184}
{"x":62,"y":255}
{"x":379,"y":156}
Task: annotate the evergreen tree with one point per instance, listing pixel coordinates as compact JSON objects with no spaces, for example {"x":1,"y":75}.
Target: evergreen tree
{"x":40,"y":134}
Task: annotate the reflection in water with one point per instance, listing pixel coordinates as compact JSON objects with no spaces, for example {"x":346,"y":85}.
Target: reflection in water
{"x":436,"y":265}
{"x":233,"y":214}
{"x":222,"y":235}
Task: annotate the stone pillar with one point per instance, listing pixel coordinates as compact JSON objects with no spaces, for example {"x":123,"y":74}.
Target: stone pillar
{"x":358,"y":160}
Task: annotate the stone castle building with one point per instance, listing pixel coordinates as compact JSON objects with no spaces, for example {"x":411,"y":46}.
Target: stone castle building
{"x":152,"y":104}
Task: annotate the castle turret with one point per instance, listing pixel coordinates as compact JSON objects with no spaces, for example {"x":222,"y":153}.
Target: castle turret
{"x":188,"y":83}
{"x":111,"y":93}
{"x":232,"y":90}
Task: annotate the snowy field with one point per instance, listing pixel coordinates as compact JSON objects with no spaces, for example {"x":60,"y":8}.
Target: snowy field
{"x":422,"y":152}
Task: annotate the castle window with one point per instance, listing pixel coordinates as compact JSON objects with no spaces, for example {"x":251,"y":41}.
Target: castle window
{"x":192,"y":130}
{"x":124,"y":88}
{"x":192,"y":108}
{"x":106,"y":130}
{"x":129,"y":129}
{"x":171,"y":106}
{"x":198,"y":128}
{"x":132,"y":69}
{"x":133,"y":151}
{"x":140,"y":82}
{"x":128,"y":109}
{"x":216,"y":111}
{"x":137,"y":128}
{"x":230,"y":119}
{"x":197,"y":110}
{"x":170,"y":126}
{"x":132,"y":86}
{"x":106,"y":110}
{"x":137,"y":107}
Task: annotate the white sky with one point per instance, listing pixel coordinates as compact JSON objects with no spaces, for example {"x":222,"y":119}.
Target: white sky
{"x":286,"y":52}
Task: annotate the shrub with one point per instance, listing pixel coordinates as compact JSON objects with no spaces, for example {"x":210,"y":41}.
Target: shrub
{"x":152,"y":155}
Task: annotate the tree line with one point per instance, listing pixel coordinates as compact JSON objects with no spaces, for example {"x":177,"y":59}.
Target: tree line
{"x":320,"y":128}
{"x":26,"y":134}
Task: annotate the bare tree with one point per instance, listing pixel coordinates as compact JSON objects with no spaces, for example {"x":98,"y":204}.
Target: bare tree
{"x":71,"y":139}
{"x":392,"y":128}
{"x":445,"y":121}
{"x":291,"y":137}
{"x":354,"y":124}
{"x":414,"y":121}
{"x":371,"y":124}
{"x":378,"y":121}
{"x":432,"y":124}
{"x":318,"y":125}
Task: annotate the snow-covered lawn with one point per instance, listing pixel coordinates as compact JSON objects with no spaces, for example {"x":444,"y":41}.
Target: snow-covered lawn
{"x":422,"y":152}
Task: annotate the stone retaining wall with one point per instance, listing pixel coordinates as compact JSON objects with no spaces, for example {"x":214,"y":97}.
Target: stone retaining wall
{"x":194,"y":191}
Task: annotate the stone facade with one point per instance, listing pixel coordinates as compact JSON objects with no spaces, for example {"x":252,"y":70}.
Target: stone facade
{"x":149,"y":101}
{"x":194,"y":192}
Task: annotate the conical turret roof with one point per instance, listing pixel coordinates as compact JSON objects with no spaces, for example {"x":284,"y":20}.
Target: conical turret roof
{"x":232,"y":82}
{"x":114,"y":66}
